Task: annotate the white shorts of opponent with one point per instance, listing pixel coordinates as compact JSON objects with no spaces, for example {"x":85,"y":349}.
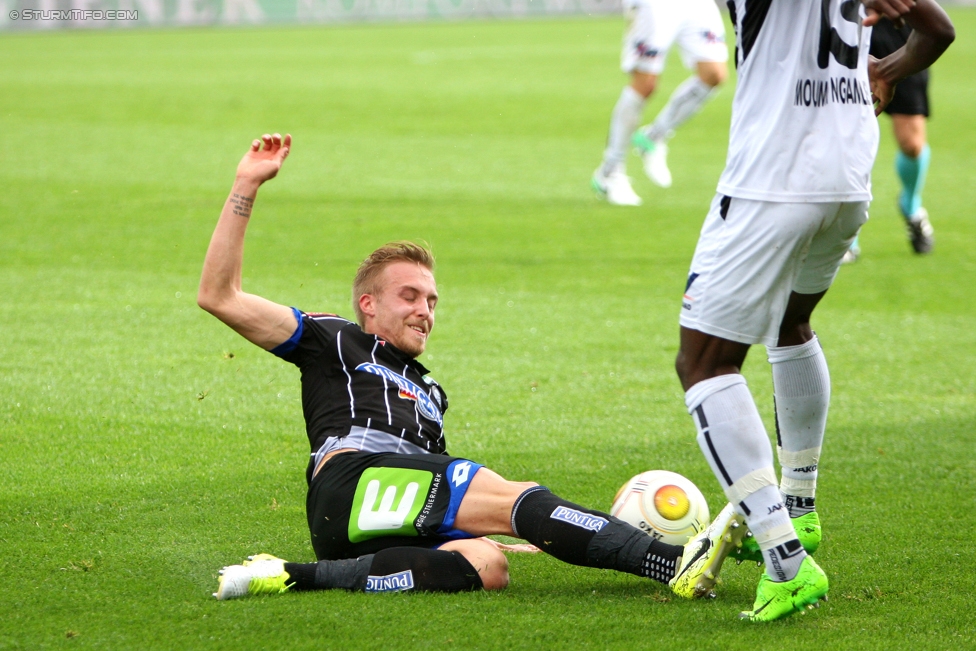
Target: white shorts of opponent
{"x":752,"y":254}
{"x":655,"y":25}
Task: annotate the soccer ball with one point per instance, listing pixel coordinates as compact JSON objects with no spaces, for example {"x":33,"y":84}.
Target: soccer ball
{"x":663,"y":504}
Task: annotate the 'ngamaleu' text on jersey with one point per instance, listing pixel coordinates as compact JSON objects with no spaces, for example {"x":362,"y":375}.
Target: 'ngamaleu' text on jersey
{"x":803,"y":126}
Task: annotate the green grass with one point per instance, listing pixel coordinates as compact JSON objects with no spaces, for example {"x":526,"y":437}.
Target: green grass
{"x":137,"y":456}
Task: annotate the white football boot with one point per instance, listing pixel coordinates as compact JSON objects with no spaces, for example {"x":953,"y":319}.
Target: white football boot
{"x":655,"y":157}
{"x":615,"y":187}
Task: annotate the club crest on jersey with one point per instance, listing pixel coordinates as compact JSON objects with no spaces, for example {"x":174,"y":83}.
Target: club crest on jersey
{"x":408,"y":390}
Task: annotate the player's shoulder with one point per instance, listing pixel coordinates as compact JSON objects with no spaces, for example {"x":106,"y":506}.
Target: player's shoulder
{"x":326,"y":322}
{"x":324,"y":316}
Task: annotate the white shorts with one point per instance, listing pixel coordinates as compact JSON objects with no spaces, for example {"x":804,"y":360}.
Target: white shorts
{"x":752,"y":254}
{"x":696,"y":25}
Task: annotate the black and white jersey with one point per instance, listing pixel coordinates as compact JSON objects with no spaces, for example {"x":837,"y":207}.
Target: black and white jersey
{"x":803,"y":126}
{"x":359,"y":391}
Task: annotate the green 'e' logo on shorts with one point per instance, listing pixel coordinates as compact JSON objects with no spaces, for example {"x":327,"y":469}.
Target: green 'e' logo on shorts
{"x":387,"y":502}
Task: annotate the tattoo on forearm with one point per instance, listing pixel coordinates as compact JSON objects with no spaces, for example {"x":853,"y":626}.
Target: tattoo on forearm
{"x":242,"y":205}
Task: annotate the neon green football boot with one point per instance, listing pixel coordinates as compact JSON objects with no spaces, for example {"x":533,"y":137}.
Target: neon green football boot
{"x":703,"y":555}
{"x":775,"y":600}
{"x":260,"y":574}
{"x":807,"y":530}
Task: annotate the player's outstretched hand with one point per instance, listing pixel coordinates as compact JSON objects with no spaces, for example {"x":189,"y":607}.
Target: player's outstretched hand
{"x":260,"y":165}
{"x":881,"y":90}
{"x":892,"y":9}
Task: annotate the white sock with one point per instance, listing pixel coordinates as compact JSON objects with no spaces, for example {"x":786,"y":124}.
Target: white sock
{"x":733,"y":439}
{"x":801,"y":383}
{"x":623,"y":122}
{"x":686,"y":100}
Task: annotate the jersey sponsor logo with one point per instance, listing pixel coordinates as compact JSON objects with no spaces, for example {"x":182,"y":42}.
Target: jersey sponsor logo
{"x":386,"y":502}
{"x":391,"y":582}
{"x":408,"y":390}
{"x":578,"y":518}
{"x":836,"y":90}
{"x":429,"y":504}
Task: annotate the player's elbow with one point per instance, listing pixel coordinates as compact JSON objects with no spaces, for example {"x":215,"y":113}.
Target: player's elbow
{"x":206,"y":300}
{"x":211,"y":301}
{"x":946,"y":35}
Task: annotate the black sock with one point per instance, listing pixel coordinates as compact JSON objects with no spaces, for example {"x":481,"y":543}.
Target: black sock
{"x":416,"y":568}
{"x":582,"y":536}
{"x":389,"y":570}
{"x":661,"y":564}
{"x":346,"y":573}
{"x":301,"y":576}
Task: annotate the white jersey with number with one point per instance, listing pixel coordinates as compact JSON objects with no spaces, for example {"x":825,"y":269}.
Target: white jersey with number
{"x":803,"y":125}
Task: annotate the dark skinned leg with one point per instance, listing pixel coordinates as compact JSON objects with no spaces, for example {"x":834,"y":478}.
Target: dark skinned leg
{"x":795,"y":328}
{"x":703,"y":356}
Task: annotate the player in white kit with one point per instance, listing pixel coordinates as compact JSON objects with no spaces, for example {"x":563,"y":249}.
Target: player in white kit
{"x":655,"y":25}
{"x":793,"y":195}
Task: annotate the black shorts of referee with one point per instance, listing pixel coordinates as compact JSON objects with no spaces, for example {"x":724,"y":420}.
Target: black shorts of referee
{"x":911,"y":94}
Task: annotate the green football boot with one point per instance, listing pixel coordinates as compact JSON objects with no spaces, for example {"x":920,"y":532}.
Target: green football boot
{"x":703,"y":555}
{"x":260,"y":574}
{"x":775,"y":600}
{"x":807,"y":530}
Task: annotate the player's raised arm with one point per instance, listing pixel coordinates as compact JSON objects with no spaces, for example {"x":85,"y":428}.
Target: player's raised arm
{"x":258,"y":320}
{"x":932,"y":33}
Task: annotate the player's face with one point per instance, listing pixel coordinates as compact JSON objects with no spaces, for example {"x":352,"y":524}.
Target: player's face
{"x":402,"y":310}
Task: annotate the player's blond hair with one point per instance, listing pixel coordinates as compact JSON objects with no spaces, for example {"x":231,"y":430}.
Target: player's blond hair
{"x":369,"y":271}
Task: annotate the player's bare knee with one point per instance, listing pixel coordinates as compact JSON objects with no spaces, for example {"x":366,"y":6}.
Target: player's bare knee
{"x":912,"y":147}
{"x":713,"y":73}
{"x":643,"y":83}
{"x":494,"y":572}
{"x":496,"y":577}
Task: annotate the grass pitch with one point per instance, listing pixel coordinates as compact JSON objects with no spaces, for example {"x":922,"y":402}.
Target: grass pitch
{"x":143,"y":445}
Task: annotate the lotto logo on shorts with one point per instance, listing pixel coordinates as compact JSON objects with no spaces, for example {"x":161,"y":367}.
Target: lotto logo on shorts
{"x":579,"y":519}
{"x":387,"y":502}
{"x":391,"y":582}
{"x":460,"y":472}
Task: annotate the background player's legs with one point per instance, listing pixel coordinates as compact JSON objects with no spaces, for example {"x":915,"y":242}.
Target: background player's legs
{"x":626,"y":117}
{"x":733,"y":439}
{"x":686,"y":100}
{"x":610,"y":178}
{"x":912,"y":165}
{"x":801,"y":387}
